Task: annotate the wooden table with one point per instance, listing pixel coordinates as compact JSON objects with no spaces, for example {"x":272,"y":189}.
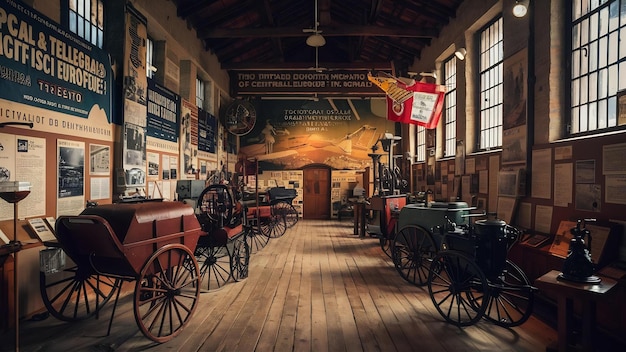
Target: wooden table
{"x":567,"y":292}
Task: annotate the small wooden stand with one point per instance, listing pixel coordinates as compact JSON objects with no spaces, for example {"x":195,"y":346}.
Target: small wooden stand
{"x":567,"y":292}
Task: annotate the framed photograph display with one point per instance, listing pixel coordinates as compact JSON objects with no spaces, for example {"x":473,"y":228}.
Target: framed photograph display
{"x":506,"y":208}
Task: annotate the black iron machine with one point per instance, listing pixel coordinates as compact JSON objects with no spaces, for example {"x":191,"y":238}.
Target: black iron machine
{"x":578,"y":266}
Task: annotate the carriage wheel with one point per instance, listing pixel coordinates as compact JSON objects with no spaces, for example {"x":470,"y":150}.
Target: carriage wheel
{"x":216,"y":202}
{"x":385,"y":245}
{"x":287,"y":210}
{"x":215,"y":267}
{"x":76,"y":293}
{"x":256,"y":240}
{"x":511,"y":297}
{"x":167,"y":292}
{"x":457,"y":288}
{"x":240,"y":259}
{"x":273,"y":226}
{"x":412,"y":252}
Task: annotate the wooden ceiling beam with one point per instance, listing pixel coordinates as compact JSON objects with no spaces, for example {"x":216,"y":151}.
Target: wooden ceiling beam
{"x":343,"y":31}
{"x":191,"y":7}
{"x":250,"y":66}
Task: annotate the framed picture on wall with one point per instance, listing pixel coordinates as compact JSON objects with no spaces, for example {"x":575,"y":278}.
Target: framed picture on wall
{"x":506,"y":208}
{"x":515,"y":89}
{"x":514,"y":145}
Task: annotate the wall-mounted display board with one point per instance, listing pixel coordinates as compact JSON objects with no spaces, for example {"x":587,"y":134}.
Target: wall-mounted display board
{"x":60,"y":84}
{"x":56,"y":81}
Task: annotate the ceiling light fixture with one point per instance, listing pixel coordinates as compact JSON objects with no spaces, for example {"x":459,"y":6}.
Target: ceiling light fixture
{"x":521,"y":8}
{"x":315,"y":40}
{"x":461,"y":53}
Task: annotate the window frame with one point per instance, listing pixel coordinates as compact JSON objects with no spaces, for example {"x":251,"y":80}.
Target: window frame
{"x":420,"y":144}
{"x":449,"y":107}
{"x":605,"y":96}
{"x":67,"y":19}
{"x":495,"y":113}
{"x":200,"y":92}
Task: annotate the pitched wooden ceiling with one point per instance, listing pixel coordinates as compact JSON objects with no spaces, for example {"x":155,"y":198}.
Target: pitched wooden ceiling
{"x":360,"y":34}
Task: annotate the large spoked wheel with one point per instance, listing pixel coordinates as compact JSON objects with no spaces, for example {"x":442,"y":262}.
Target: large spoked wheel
{"x":240,"y":259}
{"x":511,"y":297}
{"x":273,"y":226}
{"x":167,"y":292}
{"x":215,"y":266}
{"x":287,"y":210}
{"x":458,"y":288}
{"x":76,"y":293}
{"x":412,"y":252}
{"x":217,"y":203}
{"x":256,"y":240}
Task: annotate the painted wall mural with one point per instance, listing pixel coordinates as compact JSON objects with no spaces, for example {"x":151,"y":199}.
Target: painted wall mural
{"x":339,"y":132}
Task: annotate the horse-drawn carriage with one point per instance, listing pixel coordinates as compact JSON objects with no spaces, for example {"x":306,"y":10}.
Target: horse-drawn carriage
{"x":236,"y":228}
{"x":150,"y":243}
{"x":464,"y":265}
{"x":170,"y":249}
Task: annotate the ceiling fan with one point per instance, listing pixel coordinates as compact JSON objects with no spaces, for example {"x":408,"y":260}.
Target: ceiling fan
{"x":315,"y":39}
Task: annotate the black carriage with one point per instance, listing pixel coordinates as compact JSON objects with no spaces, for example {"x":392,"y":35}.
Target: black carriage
{"x":280,"y":200}
{"x":464,"y":265}
{"x":223,"y":251}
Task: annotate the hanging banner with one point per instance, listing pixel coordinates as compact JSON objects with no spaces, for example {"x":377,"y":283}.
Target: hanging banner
{"x":423,"y":106}
{"x":163,"y":112}
{"x":135,"y":79}
{"x":335,"y":82}
{"x":135,"y":101}
{"x":207,"y":131}
{"x":408,"y":101}
{"x":188,"y":138}
{"x":50,"y":77}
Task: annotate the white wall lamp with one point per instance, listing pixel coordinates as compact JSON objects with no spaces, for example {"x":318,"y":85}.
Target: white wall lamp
{"x":521,"y":8}
{"x":460,"y":53}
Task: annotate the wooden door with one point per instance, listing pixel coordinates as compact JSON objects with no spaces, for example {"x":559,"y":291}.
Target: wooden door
{"x":316,"y":197}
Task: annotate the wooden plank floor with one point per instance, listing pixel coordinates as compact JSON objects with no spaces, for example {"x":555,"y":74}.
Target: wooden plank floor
{"x":317,"y":288}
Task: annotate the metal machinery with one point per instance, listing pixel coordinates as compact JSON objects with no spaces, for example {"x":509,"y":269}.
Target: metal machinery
{"x":151,"y":243}
{"x":386,"y":202}
{"x":465,"y":265}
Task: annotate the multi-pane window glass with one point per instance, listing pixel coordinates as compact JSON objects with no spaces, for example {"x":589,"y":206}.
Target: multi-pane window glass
{"x":420,"y":144}
{"x":449,"y":123}
{"x":149,"y":58}
{"x":598,"y":61}
{"x":199,"y":93}
{"x":86,"y":19}
{"x":490,"y":63}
